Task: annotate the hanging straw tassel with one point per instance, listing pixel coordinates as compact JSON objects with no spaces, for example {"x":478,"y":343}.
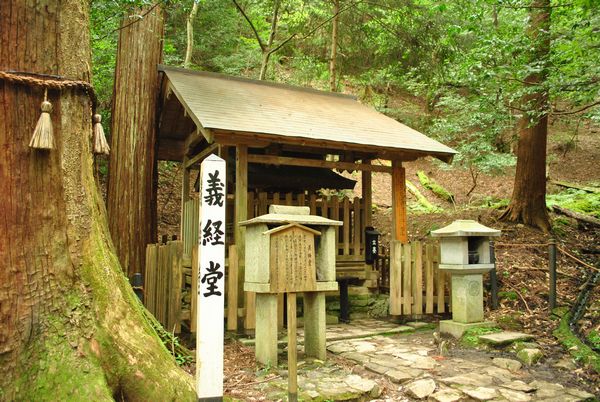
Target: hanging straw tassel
{"x":43,"y":135}
{"x":100,"y":143}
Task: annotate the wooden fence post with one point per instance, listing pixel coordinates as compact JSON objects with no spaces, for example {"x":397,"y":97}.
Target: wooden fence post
{"x":418,"y":279}
{"x":441,"y":281}
{"x":406,"y":279}
{"x":175,"y":284}
{"x":396,"y":278}
{"x":429,"y":278}
{"x":232,"y":291}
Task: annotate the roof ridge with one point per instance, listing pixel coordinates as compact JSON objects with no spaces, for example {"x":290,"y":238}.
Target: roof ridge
{"x":165,"y":68}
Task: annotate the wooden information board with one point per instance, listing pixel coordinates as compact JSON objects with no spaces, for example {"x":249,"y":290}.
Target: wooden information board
{"x":292,"y":259}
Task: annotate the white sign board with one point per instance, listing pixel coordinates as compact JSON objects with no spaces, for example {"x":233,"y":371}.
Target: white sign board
{"x":211,"y":281}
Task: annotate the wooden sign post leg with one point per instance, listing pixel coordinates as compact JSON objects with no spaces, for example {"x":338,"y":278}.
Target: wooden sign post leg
{"x":292,"y":348}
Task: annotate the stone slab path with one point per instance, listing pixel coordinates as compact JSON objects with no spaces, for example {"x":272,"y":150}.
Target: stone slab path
{"x":414,"y":363}
{"x":374,"y":355}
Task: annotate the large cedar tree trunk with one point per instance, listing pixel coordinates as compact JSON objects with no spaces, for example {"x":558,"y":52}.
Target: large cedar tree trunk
{"x":70,"y":326}
{"x":131,"y":196}
{"x":528,"y":203}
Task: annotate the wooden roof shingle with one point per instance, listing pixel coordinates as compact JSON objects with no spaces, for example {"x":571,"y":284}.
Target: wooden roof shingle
{"x":241,"y":105}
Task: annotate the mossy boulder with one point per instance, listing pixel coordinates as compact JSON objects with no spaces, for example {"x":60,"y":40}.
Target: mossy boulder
{"x":530,"y":356}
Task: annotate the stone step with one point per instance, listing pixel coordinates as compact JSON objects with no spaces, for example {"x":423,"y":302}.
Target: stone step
{"x":505,"y":338}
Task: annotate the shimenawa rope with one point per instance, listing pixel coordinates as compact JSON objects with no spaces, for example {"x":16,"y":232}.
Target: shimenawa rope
{"x":43,"y":134}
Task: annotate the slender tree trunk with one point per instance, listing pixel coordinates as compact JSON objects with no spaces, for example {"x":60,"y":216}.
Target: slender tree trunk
{"x":528,"y":203}
{"x":190,"y":34}
{"x":131,"y":196}
{"x":334,"y":38}
{"x":266,"y":50}
{"x":71,"y":327}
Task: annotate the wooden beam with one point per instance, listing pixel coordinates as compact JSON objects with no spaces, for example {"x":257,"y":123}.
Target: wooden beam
{"x":284,"y":160}
{"x":336,"y":147}
{"x":399,"y":227}
{"x":241,"y":214}
{"x":193,"y":139}
{"x":251,"y":141}
{"x":367,"y":196}
{"x":200,"y":156}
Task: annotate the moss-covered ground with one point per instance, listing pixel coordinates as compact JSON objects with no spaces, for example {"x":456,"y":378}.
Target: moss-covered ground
{"x":579,"y":350}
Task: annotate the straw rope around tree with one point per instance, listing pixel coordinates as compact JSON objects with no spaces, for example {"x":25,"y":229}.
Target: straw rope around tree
{"x":43,"y":134}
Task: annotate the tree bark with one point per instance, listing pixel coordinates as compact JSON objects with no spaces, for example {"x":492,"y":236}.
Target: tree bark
{"x":190,"y":34}
{"x":71,"y":327}
{"x":334,"y":39}
{"x":131,"y":195}
{"x":528,"y":202}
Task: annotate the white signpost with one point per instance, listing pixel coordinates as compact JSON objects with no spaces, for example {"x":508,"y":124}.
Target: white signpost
{"x":211,"y":281}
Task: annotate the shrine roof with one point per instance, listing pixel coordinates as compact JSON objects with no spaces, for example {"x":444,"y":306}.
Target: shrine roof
{"x":260,"y":110}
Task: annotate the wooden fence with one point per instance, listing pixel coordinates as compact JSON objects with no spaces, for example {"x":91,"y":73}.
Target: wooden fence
{"x":189,"y":228}
{"x":163,"y":283}
{"x":350,"y":236}
{"x":412,"y":275}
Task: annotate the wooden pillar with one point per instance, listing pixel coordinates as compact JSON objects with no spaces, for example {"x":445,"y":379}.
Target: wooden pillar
{"x":185,"y":195}
{"x":399,"y":227}
{"x":241,"y":214}
{"x":367,"y":195}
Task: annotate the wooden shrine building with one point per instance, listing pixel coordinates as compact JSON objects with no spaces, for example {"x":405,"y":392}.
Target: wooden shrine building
{"x":281,"y":144}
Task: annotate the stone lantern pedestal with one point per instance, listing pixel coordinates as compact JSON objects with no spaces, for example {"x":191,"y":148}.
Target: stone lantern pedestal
{"x":465,"y":254}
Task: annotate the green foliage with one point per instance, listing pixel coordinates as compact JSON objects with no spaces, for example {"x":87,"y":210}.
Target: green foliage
{"x":452,"y":70}
{"x":508,"y":295}
{"x":576,"y":200}
{"x":559,"y":225}
{"x":593,"y":339}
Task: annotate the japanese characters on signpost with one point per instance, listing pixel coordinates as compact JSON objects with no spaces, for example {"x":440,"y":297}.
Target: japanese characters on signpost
{"x":211,"y":281}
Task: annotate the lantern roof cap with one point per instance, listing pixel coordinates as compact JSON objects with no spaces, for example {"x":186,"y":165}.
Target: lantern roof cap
{"x":465,"y":228}
{"x":283,"y":214}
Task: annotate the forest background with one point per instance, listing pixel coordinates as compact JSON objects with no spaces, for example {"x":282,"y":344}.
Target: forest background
{"x":462,"y":64}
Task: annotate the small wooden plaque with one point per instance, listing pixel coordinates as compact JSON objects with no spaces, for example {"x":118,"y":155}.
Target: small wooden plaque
{"x":292,"y":259}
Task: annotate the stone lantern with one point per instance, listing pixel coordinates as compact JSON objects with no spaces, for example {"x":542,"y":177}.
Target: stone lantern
{"x":465,"y":254}
{"x":290,"y":251}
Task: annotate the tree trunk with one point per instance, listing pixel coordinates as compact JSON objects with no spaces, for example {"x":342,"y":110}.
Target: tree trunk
{"x":528,"y":203}
{"x":334,"y":38}
{"x":131,"y":195}
{"x":71,"y":327}
{"x":190,"y":34}
{"x":266,"y":50}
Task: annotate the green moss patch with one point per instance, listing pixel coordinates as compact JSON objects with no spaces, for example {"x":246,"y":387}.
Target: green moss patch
{"x":437,"y":188}
{"x":580,"y":351}
{"x":576,"y":200}
{"x":470,"y":338}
